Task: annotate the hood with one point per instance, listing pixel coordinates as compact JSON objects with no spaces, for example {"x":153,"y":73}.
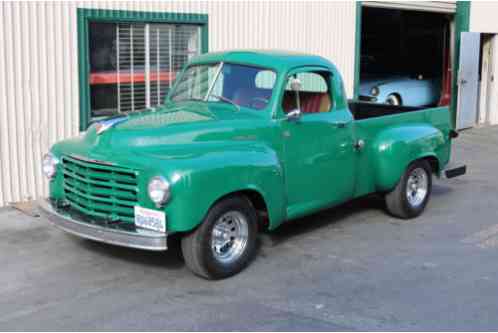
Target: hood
{"x":167,"y":129}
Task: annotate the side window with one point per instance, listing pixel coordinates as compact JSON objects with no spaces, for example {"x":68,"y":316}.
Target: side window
{"x":314,"y":95}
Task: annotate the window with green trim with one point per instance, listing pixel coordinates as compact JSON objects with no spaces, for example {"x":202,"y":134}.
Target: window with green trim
{"x":128,"y":60}
{"x":132,"y":65}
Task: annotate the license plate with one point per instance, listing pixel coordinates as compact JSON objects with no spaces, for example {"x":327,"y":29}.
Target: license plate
{"x":150,"y":219}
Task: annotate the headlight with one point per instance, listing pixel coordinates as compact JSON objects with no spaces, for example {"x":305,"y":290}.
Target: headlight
{"x":375,"y":91}
{"x":49,"y":165}
{"x":158,"y":190}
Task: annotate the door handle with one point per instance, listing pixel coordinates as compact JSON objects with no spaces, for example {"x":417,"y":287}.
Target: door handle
{"x":341,"y":123}
{"x":463,"y":81}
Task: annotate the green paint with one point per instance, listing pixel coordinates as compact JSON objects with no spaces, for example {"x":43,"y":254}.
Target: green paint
{"x":462,"y":22}
{"x":207,"y":150}
{"x":357,"y":51}
{"x":87,"y":15}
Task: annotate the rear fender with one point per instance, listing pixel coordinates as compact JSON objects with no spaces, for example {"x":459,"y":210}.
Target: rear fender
{"x":396,"y":147}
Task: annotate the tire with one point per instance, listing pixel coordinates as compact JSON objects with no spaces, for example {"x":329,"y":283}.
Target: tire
{"x":234,"y":221}
{"x":393,"y":99}
{"x":409,"y":204}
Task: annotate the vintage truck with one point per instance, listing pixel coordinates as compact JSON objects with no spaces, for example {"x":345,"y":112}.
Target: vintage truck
{"x":245,"y":141}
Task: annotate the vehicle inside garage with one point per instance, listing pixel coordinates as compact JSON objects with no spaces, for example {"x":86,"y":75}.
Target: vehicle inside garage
{"x":405,"y":57}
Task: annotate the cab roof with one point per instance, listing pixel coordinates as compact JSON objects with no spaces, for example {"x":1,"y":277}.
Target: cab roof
{"x":274,"y":59}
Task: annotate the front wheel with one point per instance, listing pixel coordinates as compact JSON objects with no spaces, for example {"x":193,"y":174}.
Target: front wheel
{"x":225,"y":242}
{"x":411,"y":194}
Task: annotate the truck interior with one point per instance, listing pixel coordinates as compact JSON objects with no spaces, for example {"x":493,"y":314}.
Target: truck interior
{"x":399,"y":45}
{"x":314,"y":96}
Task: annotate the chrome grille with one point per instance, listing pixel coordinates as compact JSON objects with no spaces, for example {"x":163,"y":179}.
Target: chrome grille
{"x":99,"y":190}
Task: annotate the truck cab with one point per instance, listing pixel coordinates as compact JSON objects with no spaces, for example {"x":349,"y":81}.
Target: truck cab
{"x":245,"y":141}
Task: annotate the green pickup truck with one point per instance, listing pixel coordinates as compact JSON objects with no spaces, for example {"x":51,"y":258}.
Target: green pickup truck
{"x":245,"y":141}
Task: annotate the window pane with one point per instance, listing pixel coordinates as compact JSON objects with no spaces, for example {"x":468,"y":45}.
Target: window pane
{"x":133,"y":65}
{"x":131,"y":58}
{"x":312,"y":82}
{"x":161,"y":66}
{"x":195,"y":83}
{"x":235,"y":84}
{"x":313,"y":96}
{"x":102,"y":52}
{"x":265,"y":79}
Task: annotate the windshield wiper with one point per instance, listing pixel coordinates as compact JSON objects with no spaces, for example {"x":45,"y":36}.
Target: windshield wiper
{"x":227,"y":100}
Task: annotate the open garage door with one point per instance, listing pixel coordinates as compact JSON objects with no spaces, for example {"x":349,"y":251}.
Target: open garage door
{"x":468,"y":80}
{"x":427,"y":6}
{"x":405,"y":54}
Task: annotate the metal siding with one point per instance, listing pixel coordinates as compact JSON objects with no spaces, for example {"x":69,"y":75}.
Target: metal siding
{"x":39,"y":88}
{"x":483,"y":17}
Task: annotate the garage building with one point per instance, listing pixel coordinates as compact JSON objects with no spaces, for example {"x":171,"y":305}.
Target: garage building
{"x":64,"y":65}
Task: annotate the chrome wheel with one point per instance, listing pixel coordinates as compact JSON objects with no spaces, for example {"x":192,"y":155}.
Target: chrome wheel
{"x":229,"y":237}
{"x":417,"y":187}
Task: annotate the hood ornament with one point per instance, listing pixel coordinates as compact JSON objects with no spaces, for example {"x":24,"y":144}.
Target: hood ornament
{"x":104,"y":125}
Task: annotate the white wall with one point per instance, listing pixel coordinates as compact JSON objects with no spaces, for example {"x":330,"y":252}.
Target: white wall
{"x":483,"y":16}
{"x":483,"y":19}
{"x":39,"y":93}
{"x":493,"y":88}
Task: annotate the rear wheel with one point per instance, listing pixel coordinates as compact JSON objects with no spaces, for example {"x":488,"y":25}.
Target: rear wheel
{"x":225,"y":242}
{"x":411,"y":194}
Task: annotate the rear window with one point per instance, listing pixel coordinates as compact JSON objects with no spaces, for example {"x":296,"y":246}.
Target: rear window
{"x":265,"y":79}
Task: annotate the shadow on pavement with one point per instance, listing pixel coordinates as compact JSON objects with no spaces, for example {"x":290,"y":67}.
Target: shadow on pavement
{"x":332,"y":217}
{"x":170,"y":259}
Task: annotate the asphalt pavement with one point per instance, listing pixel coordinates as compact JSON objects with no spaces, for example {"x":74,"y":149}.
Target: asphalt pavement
{"x":349,"y":268}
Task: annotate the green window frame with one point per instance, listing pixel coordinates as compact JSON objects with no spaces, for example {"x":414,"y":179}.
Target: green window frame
{"x":85,"y":16}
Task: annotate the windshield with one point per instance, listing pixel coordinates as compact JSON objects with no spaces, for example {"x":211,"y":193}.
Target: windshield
{"x":240,"y":85}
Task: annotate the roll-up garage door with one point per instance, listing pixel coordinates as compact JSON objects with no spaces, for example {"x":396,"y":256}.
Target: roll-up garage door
{"x":428,"y":6}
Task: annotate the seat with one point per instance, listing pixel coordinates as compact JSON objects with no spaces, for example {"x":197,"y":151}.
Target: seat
{"x":311,"y":102}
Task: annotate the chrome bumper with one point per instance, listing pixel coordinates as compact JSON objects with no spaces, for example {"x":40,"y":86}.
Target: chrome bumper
{"x":141,"y":239}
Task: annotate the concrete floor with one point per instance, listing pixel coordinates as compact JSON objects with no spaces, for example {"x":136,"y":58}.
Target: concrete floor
{"x":349,"y":268}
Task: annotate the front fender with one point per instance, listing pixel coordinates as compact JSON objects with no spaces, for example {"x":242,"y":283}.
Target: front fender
{"x":199,"y":181}
{"x":395,"y":148}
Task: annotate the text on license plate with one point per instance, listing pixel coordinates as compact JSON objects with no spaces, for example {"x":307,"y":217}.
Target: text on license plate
{"x":150,"y":219}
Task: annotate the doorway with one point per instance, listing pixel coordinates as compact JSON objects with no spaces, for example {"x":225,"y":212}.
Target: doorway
{"x":405,"y":57}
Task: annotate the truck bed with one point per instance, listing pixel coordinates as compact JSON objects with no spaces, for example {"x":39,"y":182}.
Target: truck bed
{"x":373,"y":122}
{"x":366,"y":110}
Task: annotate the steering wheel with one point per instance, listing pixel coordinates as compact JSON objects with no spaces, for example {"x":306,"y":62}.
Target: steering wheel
{"x":258,"y":99}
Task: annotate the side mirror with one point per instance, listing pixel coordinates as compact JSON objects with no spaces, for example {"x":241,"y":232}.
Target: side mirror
{"x":295,"y":84}
{"x":294,"y":115}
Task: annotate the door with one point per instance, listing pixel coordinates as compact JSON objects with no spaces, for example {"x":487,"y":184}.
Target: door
{"x":319,"y":157}
{"x":468,"y":80}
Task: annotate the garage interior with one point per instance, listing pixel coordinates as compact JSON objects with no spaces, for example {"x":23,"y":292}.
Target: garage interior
{"x":398,"y":46}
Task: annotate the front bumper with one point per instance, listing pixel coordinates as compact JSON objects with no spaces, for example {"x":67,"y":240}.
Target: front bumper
{"x":365,"y":98}
{"x":139,"y":239}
